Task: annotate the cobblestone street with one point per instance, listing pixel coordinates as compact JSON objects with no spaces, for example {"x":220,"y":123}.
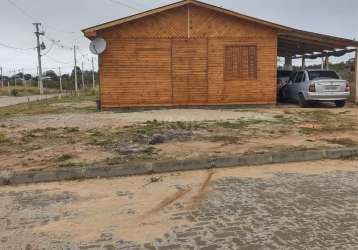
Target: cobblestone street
{"x":294,"y":206}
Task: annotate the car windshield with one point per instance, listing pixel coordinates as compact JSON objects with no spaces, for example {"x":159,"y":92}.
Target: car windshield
{"x":313,"y":75}
{"x":284,"y":73}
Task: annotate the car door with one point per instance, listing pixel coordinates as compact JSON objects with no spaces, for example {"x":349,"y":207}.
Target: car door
{"x":296,"y":86}
{"x":288,"y":88}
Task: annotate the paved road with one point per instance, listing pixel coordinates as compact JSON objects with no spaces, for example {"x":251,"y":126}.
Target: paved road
{"x":294,"y":206}
{"x":8,"y":101}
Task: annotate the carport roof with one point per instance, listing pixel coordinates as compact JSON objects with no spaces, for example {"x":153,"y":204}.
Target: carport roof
{"x":291,"y":42}
{"x":300,"y":42}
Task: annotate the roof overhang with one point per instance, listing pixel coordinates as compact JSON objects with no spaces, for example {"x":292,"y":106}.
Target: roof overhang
{"x":89,"y":32}
{"x":291,"y":42}
{"x":306,"y":44}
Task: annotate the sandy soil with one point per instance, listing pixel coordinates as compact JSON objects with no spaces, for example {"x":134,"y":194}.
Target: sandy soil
{"x":110,"y":119}
{"x":48,"y":157}
{"x":256,"y":138}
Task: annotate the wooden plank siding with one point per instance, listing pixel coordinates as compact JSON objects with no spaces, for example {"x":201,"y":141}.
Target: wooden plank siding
{"x":190,"y":71}
{"x":177,"y":58}
{"x":136,"y":72}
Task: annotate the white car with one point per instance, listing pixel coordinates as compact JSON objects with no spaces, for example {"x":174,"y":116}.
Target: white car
{"x":309,"y":86}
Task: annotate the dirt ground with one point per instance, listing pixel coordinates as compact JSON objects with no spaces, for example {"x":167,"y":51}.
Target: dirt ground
{"x":284,"y":206}
{"x":67,"y":133}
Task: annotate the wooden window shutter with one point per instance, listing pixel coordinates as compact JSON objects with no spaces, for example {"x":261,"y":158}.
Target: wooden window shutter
{"x":240,"y":62}
{"x":252,"y":63}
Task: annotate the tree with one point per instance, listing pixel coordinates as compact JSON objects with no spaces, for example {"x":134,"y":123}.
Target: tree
{"x":19,"y":75}
{"x":66,"y":77}
{"x":51,"y":74}
{"x":79,"y":72}
{"x":27,"y":77}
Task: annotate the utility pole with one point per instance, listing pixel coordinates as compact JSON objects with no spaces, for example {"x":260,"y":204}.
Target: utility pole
{"x":74,"y":54}
{"x":60,"y":75}
{"x":83,"y":77}
{"x":38,"y":78}
{"x":38,"y":34}
{"x":93,"y":79}
{"x":2,"y":78}
{"x":23,"y":78}
{"x":8,"y":82}
{"x":356,"y":78}
{"x":15,"y":78}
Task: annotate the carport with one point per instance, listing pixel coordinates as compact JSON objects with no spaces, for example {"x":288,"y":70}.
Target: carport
{"x":294,"y":44}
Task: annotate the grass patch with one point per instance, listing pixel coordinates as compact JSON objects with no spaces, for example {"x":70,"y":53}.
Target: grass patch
{"x":25,"y":91}
{"x":244,"y":123}
{"x":65,"y":157}
{"x":71,"y":130}
{"x":4,"y":139}
{"x":48,"y":107}
{"x":70,"y":165}
{"x":327,"y":121}
{"x":347,"y":142}
{"x":226,"y":139}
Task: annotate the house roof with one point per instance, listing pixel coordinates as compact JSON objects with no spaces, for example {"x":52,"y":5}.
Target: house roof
{"x":291,"y":41}
{"x":175,"y":5}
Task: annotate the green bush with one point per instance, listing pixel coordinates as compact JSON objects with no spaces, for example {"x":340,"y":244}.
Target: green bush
{"x":14,"y":92}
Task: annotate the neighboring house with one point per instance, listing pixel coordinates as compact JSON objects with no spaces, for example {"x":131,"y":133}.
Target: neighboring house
{"x":193,"y":53}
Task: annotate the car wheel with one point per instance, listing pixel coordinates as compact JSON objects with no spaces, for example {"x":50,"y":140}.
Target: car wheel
{"x":302,"y":101}
{"x":340,"y":104}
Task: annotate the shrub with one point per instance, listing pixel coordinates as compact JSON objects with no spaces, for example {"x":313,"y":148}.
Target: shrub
{"x":14,"y":92}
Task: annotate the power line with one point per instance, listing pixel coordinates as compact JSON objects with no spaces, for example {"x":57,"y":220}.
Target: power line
{"x":32,"y":18}
{"x":58,"y":61}
{"x":21,"y":10}
{"x":125,"y":5}
{"x":12,"y":47}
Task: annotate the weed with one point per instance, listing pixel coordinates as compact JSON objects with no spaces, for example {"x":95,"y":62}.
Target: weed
{"x":342,"y":141}
{"x":69,"y":165}
{"x":240,"y":124}
{"x":4,"y":139}
{"x":224,"y":138}
{"x":71,"y":130}
{"x":65,"y":157}
{"x":14,"y":92}
{"x":328,"y":121}
{"x":49,"y":106}
{"x":231,"y":125}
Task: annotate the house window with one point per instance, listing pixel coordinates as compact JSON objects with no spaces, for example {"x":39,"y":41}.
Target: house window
{"x":240,"y":62}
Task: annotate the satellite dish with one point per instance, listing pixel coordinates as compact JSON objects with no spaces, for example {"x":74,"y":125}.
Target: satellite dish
{"x":98,"y":46}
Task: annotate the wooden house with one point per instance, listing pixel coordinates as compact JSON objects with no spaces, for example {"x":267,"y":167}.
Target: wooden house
{"x":193,"y":53}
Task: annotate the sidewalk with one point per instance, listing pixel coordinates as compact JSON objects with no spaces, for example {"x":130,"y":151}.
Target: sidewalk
{"x":12,"y":100}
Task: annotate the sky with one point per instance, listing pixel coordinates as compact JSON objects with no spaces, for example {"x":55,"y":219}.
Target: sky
{"x":63,"y":21}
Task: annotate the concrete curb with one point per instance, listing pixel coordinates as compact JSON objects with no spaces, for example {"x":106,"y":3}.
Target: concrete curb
{"x":143,"y":168}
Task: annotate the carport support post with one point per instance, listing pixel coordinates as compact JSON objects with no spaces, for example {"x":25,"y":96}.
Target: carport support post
{"x":288,"y":63}
{"x":303,"y":63}
{"x":356,"y":79}
{"x":326,"y":63}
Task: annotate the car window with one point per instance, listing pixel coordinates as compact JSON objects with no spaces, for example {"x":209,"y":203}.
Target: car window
{"x":303,"y":77}
{"x":284,"y":73}
{"x":292,"y":77}
{"x":299,"y":77}
{"x":314,"y":75}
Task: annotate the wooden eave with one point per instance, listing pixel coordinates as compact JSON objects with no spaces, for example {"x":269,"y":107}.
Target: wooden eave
{"x":291,"y":42}
{"x":89,"y":32}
